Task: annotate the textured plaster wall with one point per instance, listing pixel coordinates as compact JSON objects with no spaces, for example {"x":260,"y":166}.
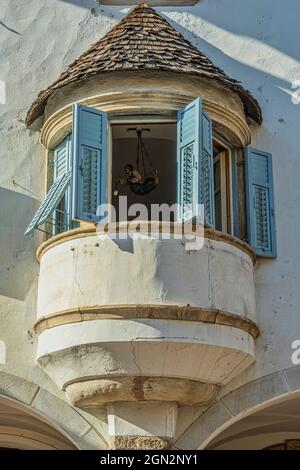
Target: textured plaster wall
{"x":256,"y":42}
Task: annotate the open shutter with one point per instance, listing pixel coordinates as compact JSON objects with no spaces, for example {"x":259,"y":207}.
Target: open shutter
{"x":89,"y":152}
{"x":194,"y":163}
{"x":62,"y":164}
{"x":50,"y":202}
{"x":207,"y":169}
{"x":260,"y":202}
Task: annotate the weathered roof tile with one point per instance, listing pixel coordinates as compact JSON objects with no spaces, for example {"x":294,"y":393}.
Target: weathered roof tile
{"x":143,"y":40}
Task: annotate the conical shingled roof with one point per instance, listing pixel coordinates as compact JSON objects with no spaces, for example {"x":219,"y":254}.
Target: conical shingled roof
{"x":143,"y":40}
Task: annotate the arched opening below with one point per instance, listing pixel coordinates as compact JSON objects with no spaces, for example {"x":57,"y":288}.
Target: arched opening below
{"x":23,"y":429}
{"x":276,"y":425}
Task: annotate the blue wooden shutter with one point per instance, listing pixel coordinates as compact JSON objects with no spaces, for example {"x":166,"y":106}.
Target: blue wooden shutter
{"x":188,"y":160}
{"x":195,"y":163}
{"x":89,"y":149}
{"x":260,"y":202}
{"x":62,"y":153}
{"x":207,"y":169}
{"x":50,"y":202}
{"x":62,"y":164}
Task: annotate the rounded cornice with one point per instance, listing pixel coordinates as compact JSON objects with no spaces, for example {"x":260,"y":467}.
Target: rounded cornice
{"x":160,"y":94}
{"x":100,"y":391}
{"x":158,"y":312}
{"x":224,"y":120}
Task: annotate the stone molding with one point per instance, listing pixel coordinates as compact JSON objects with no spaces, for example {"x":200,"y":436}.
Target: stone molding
{"x":98,"y":392}
{"x":92,"y":230}
{"x":237,"y":404}
{"x":56,"y":411}
{"x":148,"y":102}
{"x":161,"y":312}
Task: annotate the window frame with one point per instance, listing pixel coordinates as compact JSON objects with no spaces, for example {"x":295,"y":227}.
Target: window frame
{"x":226,"y":173}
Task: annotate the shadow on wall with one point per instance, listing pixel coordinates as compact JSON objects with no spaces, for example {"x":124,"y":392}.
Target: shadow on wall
{"x":96,"y":8}
{"x":264,"y":35}
{"x":261,"y":62}
{"x":17,"y":252}
{"x":270,"y":90}
{"x":269,"y":22}
{"x":83,"y":3}
{"x":273,"y":23}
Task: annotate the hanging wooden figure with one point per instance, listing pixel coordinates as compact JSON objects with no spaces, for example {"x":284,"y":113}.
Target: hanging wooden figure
{"x":141,"y":181}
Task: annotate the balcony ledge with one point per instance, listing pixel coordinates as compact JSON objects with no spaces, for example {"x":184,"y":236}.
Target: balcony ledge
{"x":91,"y":230}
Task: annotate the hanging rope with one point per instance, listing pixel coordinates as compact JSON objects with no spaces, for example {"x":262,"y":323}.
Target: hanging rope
{"x":142,"y":150}
{"x":142,"y":153}
{"x":137,"y":153}
{"x":140,"y":184}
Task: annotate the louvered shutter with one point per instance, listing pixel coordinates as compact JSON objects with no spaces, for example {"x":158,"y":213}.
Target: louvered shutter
{"x":89,"y":149}
{"x":62,"y":155}
{"x":62,"y":164}
{"x":207,"y":169}
{"x":194,"y":163}
{"x":50,"y":202}
{"x":260,"y":202}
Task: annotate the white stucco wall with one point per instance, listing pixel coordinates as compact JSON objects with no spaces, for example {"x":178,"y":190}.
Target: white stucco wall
{"x":255,"y":42}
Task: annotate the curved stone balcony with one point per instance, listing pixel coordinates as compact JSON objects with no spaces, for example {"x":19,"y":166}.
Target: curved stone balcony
{"x":144,"y":319}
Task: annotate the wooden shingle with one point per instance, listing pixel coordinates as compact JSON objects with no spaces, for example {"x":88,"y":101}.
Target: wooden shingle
{"x":143,"y":40}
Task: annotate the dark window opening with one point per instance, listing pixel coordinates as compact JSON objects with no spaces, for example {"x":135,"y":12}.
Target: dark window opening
{"x":159,"y":140}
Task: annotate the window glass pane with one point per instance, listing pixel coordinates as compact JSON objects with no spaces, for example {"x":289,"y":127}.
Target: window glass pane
{"x":217,"y":175}
{"x":59,"y":217}
{"x":218,"y":194}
